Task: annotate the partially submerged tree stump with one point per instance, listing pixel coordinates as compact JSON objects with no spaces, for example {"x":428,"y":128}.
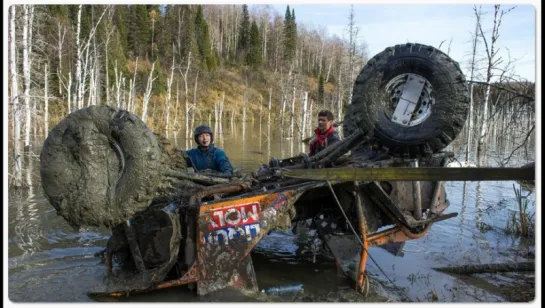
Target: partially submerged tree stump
{"x":488,"y":268}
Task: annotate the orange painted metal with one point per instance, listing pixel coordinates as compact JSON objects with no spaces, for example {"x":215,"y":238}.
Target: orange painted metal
{"x":192,"y":275}
{"x":363,"y":260}
{"x":395,"y":235}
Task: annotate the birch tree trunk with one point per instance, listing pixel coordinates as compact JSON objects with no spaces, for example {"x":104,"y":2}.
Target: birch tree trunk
{"x":16,"y":109}
{"x":340,"y":98}
{"x":352,"y":52}
{"x":81,"y":88}
{"x":260,"y":112}
{"x":46,"y":101}
{"x":69,"y":90}
{"x":244,"y":102}
{"x":147,"y":95}
{"x":175,"y":124}
{"x":59,"y":50}
{"x":492,"y":62}
{"x":32,"y":105}
{"x":169,"y":84}
{"x":269,"y":125}
{"x":132,"y":88}
{"x":310,"y":115}
{"x":304,"y":116}
{"x":91,"y":83}
{"x":78,"y":61}
{"x":117,"y":86}
{"x":106,"y":52}
{"x":124,"y":100}
{"x":329,"y":69}
{"x":222,"y":105}
{"x":473,"y":64}
{"x":292,"y":113}
{"x":26,"y":70}
{"x":186,"y":96}
{"x":194,"y":99}
{"x":284,"y":101}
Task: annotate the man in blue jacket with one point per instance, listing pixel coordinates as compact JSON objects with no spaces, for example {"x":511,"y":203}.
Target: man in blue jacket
{"x":206,"y":156}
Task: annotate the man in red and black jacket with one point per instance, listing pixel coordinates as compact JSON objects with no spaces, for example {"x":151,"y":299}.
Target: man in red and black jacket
{"x":325,"y":135}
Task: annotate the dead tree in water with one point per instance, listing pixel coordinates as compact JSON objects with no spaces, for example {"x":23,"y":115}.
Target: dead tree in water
{"x":184,"y":76}
{"x":27,"y":53}
{"x":169,"y":91}
{"x":46,"y":101}
{"x":292,"y":113}
{"x":147,"y":95}
{"x":14,"y":101}
{"x":132,"y":89}
{"x":473,"y":64}
{"x":489,"y":268}
{"x":493,"y":62}
{"x":303,"y":116}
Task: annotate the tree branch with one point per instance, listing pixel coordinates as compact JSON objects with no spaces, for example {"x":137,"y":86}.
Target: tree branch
{"x":505,"y":161}
{"x":502,"y":88}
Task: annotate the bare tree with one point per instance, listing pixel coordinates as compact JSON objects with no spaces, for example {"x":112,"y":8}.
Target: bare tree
{"x":117,"y":86}
{"x":244,"y":101}
{"x":269,"y":113}
{"x":132,"y":89}
{"x":493,"y":62}
{"x":175,"y":124}
{"x":80,"y":78}
{"x":303,"y":116}
{"x":186,"y":95}
{"x":46,"y":101}
{"x":109,"y":31}
{"x":292,"y":113}
{"x":350,"y":76}
{"x":27,"y":33}
{"x":78,"y":60}
{"x":169,"y":84}
{"x":472,"y":74}
{"x":68,"y":89}
{"x":14,"y":99}
{"x":260,"y":112}
{"x":62,"y":33}
{"x":195,"y":90}
{"x":147,"y":95}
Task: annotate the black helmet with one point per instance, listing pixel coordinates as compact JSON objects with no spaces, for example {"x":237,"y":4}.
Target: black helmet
{"x":203,"y":129}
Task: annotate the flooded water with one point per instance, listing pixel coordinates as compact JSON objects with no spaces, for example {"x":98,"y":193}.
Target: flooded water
{"x":51,"y":262}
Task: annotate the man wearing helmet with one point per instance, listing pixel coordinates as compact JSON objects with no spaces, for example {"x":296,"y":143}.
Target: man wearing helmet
{"x":206,"y":156}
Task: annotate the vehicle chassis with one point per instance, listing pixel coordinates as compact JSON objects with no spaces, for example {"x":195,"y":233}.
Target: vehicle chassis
{"x":215,"y":229}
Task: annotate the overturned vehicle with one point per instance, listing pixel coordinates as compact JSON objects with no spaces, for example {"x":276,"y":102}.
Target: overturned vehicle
{"x":102,"y":166}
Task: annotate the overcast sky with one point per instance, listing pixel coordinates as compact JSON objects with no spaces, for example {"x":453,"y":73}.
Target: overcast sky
{"x":383,"y":25}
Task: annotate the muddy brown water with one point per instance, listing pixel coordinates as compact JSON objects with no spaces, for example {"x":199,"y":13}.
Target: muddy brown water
{"x":48,"y":261}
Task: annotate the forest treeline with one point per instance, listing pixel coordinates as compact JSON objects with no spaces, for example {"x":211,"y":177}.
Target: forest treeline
{"x":175,"y":65}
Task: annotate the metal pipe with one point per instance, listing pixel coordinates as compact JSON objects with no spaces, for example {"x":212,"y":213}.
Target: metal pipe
{"x":417,"y":195}
{"x":435,"y":197}
{"x":363,"y":230}
{"x":330,"y":149}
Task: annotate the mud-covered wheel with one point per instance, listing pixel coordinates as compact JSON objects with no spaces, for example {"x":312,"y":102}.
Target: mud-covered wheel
{"x":99,"y":166}
{"x":412,"y":99}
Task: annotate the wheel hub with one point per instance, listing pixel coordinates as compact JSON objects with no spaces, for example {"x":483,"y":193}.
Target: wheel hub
{"x":410,"y":99}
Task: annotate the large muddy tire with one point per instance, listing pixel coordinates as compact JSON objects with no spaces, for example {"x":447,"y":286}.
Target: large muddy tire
{"x":99,"y":166}
{"x":438,"y":116}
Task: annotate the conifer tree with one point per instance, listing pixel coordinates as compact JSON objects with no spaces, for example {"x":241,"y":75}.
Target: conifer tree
{"x":290,"y":35}
{"x":202,"y":35}
{"x":253,"y":58}
{"x":244,"y":33}
{"x":321,"y":90}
